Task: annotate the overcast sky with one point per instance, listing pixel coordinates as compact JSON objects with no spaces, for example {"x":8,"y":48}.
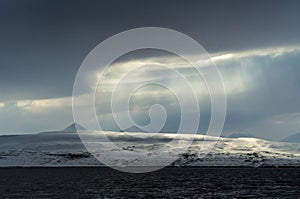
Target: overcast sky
{"x":255,"y":44}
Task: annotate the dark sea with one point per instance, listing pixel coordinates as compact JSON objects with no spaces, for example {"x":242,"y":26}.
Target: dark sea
{"x":166,"y":183}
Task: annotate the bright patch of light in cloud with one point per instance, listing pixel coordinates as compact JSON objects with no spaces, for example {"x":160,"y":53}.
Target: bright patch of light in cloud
{"x":43,"y":104}
{"x":222,"y":57}
{"x":271,"y":52}
{"x":248,"y":81}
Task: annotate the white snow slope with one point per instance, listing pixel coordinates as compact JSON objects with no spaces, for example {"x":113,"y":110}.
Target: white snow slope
{"x":66,"y":149}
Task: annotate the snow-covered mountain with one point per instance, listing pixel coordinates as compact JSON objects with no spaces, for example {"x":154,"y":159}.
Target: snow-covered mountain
{"x":66,"y":149}
{"x":292,"y":138}
{"x":73,"y":128}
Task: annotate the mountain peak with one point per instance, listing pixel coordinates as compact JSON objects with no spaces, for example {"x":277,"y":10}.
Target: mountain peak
{"x":292,"y":138}
{"x":74,"y":127}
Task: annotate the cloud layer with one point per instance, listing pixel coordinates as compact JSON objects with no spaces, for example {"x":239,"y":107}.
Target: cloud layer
{"x":261,"y":84}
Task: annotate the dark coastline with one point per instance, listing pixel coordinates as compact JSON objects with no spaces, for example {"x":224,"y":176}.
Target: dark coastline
{"x":170,"y":182}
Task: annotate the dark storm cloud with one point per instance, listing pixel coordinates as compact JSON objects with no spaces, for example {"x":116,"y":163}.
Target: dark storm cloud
{"x":42,"y":44}
{"x":46,"y":40}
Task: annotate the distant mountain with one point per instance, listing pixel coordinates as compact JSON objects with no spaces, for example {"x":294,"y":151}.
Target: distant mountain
{"x":133,"y":129}
{"x":74,"y":127}
{"x":241,"y":135}
{"x":292,"y":138}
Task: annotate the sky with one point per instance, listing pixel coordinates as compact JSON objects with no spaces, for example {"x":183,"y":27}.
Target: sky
{"x":255,"y":44}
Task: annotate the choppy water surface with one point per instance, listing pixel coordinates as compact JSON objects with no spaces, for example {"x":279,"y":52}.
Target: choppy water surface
{"x":167,"y":183}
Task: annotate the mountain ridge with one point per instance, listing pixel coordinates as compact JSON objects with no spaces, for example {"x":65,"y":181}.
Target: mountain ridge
{"x":295,"y":138}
